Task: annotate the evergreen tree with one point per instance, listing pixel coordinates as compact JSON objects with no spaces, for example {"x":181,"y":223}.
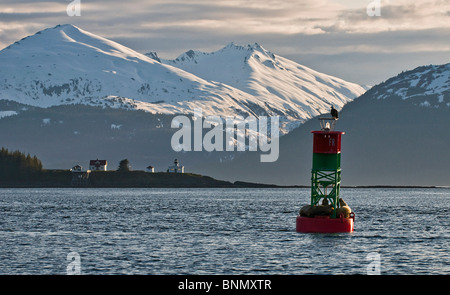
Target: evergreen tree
{"x":124,"y":166}
{"x":16,"y":165}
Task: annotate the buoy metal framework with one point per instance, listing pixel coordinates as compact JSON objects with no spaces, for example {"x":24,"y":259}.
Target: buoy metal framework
{"x":326,"y":181}
{"x":326,"y":168}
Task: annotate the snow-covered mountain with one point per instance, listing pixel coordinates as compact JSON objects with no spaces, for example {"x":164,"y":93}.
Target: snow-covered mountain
{"x":281,"y":84}
{"x":427,"y":86}
{"x":67,"y":65}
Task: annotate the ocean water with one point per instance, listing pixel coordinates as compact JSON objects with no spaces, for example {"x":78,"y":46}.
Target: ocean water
{"x":219,"y":231}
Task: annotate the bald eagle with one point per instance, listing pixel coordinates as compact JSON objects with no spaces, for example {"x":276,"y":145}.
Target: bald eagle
{"x":334,"y":113}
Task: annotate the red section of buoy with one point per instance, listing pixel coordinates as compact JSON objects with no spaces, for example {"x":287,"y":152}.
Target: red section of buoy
{"x":325,"y":224}
{"x":327,"y":142}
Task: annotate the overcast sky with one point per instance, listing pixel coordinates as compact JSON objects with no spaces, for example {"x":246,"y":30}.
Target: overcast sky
{"x":337,"y":37}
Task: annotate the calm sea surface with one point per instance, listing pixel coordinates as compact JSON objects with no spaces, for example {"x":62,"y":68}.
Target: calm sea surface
{"x":219,"y":231}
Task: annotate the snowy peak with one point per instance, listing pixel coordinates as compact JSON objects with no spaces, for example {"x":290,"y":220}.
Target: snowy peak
{"x":189,"y":56}
{"x":253,"y":53}
{"x":68,"y":39}
{"x":249,"y":49}
{"x":427,"y":86}
{"x":153,"y":55}
{"x":231,"y":51}
{"x":275,"y":81}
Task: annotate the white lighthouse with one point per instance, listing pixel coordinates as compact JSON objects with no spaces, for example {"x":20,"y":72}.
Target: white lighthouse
{"x":176,"y":167}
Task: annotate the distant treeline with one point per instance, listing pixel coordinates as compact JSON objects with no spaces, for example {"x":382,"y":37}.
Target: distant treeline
{"x":16,"y":165}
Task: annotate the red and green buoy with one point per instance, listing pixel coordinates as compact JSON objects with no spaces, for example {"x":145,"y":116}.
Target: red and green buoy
{"x":326,"y":184}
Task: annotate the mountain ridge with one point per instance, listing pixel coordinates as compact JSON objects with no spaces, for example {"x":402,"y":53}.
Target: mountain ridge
{"x":67,"y":65}
{"x":270,"y":77}
{"x":432,"y":81}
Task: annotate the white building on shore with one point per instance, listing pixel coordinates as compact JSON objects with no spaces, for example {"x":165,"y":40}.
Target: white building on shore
{"x":98,"y":165}
{"x":176,"y":167}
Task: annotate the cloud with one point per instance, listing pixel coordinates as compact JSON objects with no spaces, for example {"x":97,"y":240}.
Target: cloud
{"x":401,"y":15}
{"x":224,"y":17}
{"x":368,"y":58}
{"x":299,"y":28}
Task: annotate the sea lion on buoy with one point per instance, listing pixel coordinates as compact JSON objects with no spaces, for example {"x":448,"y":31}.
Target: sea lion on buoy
{"x":344,"y":209}
{"x":342,"y":202}
{"x":322,"y":210}
{"x":305,"y":211}
{"x":319,"y":210}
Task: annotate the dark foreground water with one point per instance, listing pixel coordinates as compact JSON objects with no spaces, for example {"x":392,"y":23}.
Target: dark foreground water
{"x":218,"y":231}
